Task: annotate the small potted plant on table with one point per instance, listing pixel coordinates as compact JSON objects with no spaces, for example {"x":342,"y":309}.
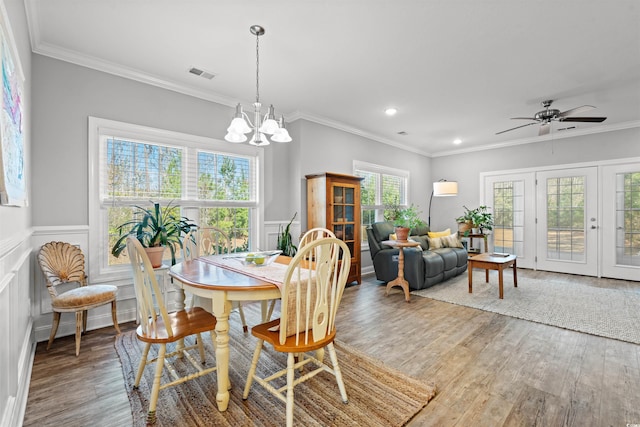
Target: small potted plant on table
{"x":406,"y":219}
{"x":479,"y":218}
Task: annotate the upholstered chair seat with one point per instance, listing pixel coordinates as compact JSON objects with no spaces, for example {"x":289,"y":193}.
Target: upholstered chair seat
{"x":62,"y":263}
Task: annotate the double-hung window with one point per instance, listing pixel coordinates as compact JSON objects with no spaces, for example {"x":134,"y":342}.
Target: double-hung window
{"x":211,"y":182}
{"x":381,"y":188}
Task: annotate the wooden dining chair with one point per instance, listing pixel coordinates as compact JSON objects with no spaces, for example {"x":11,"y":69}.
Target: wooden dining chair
{"x":315,"y":234}
{"x":312,"y":289}
{"x":61,"y":263}
{"x":157,"y":326}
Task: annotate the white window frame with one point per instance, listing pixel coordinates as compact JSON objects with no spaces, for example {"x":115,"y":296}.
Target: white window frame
{"x":99,"y":128}
{"x":379,"y":206}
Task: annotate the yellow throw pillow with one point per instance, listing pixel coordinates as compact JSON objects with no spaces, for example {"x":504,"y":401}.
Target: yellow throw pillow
{"x":446,"y":232}
{"x":393,"y":236}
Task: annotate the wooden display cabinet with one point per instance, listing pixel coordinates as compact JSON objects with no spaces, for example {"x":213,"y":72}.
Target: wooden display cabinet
{"x":333,"y":202}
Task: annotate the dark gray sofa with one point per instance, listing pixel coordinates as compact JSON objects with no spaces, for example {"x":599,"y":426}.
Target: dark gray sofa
{"x":423,"y":267}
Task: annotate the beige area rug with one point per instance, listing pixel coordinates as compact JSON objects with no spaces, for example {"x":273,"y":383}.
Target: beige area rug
{"x":378,"y":395}
{"x":604,"y":312}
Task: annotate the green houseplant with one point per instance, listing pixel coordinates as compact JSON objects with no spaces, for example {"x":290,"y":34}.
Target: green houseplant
{"x":404,"y":219}
{"x":479,"y":217}
{"x":285,"y":242}
{"x":154,"y":227}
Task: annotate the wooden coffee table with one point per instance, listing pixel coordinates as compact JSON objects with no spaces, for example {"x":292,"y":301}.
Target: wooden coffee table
{"x":493,"y":262}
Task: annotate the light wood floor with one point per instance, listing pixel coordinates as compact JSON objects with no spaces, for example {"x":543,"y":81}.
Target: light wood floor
{"x":490,"y":370}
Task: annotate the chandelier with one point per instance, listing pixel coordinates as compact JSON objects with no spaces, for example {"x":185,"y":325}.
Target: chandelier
{"x":261,"y":126}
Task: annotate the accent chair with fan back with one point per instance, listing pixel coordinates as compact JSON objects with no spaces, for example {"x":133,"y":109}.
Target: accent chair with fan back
{"x":63,"y":263}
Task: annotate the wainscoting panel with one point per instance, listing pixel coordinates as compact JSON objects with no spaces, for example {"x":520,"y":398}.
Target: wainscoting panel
{"x":272,"y":230}
{"x":17,"y":349}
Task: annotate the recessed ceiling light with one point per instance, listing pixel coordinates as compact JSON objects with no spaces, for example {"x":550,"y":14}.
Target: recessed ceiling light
{"x":390,"y":111}
{"x":457,"y":141}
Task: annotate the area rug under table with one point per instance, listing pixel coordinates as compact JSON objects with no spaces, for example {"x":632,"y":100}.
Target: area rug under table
{"x":606,"y":312}
{"x":378,"y":395}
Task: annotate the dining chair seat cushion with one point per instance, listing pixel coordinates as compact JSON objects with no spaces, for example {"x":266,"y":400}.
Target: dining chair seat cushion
{"x":183,"y":323}
{"x":84,"y":296}
{"x":269,"y":332}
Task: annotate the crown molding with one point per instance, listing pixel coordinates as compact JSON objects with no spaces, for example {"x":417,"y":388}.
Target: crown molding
{"x":98,"y":64}
{"x":353,"y":130}
{"x":552,"y":136}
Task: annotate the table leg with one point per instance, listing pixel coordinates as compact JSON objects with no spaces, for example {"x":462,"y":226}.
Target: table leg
{"x":470,"y":270}
{"x":180,"y":305}
{"x":221,"y":307}
{"x":399,"y":281}
{"x":500,"y":282}
{"x":486,"y":275}
{"x":515,"y":274}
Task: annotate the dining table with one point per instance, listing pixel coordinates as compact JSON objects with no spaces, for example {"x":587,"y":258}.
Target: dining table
{"x":224,"y":279}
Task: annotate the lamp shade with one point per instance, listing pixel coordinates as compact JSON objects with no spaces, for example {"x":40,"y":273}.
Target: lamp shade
{"x":235,"y":137}
{"x":445,"y":188}
{"x":281,"y":135}
{"x":239,"y":125}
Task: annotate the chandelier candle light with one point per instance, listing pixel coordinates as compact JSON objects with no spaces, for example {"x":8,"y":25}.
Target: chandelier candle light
{"x":241,"y":124}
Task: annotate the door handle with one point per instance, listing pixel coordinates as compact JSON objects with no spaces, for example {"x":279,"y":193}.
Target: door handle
{"x":593,"y":227}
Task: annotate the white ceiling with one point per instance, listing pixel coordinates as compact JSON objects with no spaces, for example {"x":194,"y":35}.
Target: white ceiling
{"x":452,"y":68}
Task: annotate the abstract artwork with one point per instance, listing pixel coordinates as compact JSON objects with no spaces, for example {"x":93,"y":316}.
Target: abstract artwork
{"x":12,"y":155}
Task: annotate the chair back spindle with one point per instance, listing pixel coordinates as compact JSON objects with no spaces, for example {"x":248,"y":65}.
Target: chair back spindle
{"x":312,"y":289}
{"x":147,"y":290}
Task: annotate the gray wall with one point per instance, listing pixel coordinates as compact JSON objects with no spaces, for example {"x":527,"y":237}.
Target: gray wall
{"x":64,"y":96}
{"x":466,"y":168}
{"x":324,"y":149}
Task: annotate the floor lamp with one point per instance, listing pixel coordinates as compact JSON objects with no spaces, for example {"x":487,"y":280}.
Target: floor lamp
{"x":442,"y":188}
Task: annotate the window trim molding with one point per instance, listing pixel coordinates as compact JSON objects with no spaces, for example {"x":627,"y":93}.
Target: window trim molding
{"x":380,"y":169}
{"x":99,"y":126}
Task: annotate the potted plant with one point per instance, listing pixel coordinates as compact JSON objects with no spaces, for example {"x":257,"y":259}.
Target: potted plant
{"x":285,"y":242}
{"x":405,"y":219}
{"x":155,"y":228}
{"x":479,"y":218}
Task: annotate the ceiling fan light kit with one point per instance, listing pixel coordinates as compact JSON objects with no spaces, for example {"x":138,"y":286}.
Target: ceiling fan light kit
{"x":261,"y":126}
{"x":548,"y":115}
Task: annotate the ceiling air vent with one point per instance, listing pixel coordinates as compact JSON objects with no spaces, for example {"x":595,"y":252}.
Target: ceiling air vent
{"x":202,"y":73}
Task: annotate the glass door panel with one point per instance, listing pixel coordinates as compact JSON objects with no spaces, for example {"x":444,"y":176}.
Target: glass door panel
{"x":349,"y":214}
{"x":621,"y":221}
{"x":628,"y":219}
{"x":567,"y":226}
{"x":349,"y":197}
{"x":512,"y":199}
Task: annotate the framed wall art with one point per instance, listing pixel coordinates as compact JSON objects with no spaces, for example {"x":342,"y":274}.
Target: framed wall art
{"x":13,"y":189}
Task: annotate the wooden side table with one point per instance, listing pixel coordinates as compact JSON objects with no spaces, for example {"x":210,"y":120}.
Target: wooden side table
{"x":489,"y":262}
{"x":400,"y":281}
{"x":472,"y":236}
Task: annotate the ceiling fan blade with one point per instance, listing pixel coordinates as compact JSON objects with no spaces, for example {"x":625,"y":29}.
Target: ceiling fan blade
{"x":545,"y":128}
{"x":524,"y":118}
{"x":517,"y":127}
{"x":576,"y":110}
{"x":583,"y":119}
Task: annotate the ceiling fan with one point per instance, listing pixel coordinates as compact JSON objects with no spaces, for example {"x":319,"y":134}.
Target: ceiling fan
{"x":548,"y":115}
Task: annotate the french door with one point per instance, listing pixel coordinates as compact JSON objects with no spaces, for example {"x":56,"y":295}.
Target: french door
{"x":512,"y":199}
{"x":621,"y":221}
{"x":567,"y":226}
